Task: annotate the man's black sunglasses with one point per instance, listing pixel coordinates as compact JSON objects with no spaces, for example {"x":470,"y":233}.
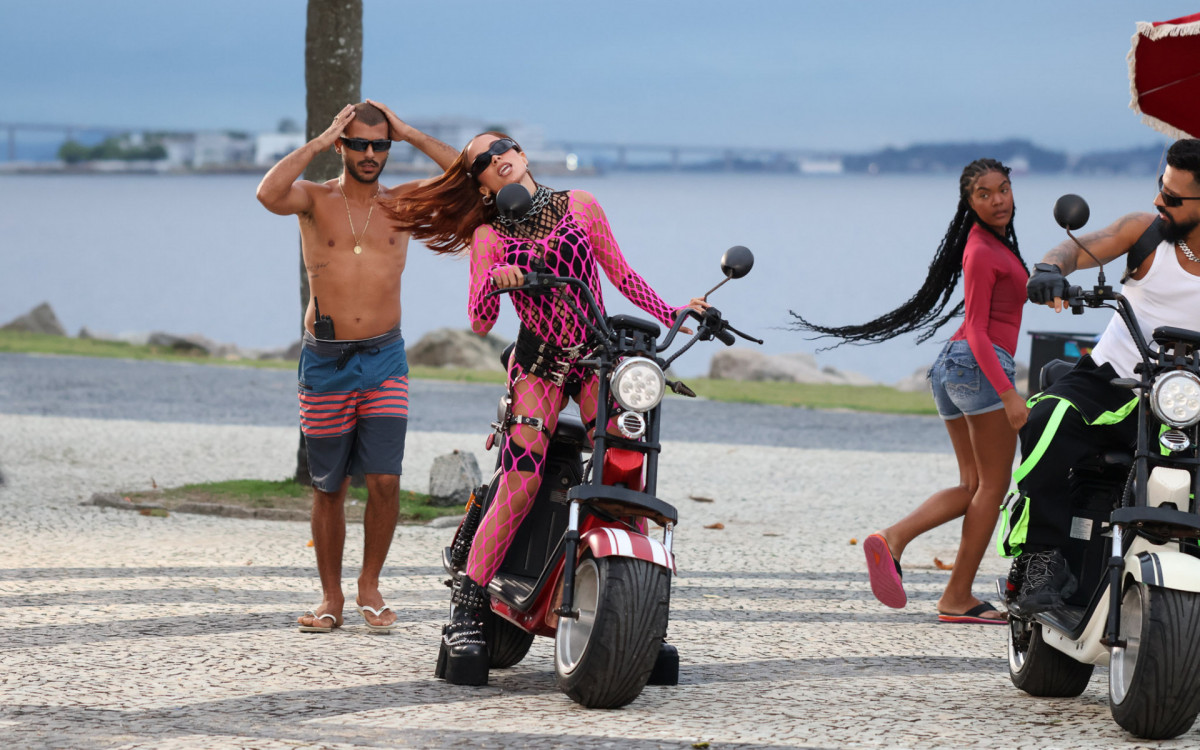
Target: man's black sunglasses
{"x":1173,"y":201}
{"x":498,"y":147}
{"x":360,"y":144}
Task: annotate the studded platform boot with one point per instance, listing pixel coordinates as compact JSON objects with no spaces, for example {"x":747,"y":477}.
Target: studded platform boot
{"x":463,"y":658}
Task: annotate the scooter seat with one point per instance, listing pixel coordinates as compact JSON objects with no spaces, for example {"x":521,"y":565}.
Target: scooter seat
{"x":570,"y":428}
{"x":1117,"y":457}
{"x":1052,"y":371}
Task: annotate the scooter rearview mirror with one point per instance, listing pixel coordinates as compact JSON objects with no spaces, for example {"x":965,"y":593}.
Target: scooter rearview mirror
{"x":513,"y":201}
{"x":1071,"y":212}
{"x":737,"y":262}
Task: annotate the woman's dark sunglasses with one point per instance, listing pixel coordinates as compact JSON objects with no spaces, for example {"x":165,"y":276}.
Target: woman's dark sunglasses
{"x":360,"y":144}
{"x":1173,"y":201}
{"x":498,"y":147}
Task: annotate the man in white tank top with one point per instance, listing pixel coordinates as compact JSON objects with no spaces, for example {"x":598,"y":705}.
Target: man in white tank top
{"x":1082,"y":412}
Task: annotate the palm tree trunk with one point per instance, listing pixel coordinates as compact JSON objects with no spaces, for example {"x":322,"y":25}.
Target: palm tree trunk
{"x":332,"y":79}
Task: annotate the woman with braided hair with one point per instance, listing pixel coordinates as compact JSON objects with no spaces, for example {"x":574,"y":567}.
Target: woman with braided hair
{"x":972,"y":383}
{"x":563,"y":234}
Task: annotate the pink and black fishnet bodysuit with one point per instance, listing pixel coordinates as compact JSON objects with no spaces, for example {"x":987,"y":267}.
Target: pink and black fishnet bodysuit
{"x":571,"y":236}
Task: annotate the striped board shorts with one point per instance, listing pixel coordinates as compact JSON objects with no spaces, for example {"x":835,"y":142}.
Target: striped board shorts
{"x":353,"y":407}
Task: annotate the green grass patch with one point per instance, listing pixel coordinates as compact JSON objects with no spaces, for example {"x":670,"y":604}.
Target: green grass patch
{"x":459,"y":374}
{"x":256,"y":493}
{"x":41,"y":343}
{"x":876,"y":398}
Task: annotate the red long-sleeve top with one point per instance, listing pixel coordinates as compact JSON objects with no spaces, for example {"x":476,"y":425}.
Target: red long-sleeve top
{"x":994,"y":285}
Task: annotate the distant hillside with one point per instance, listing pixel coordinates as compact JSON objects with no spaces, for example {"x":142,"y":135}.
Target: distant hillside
{"x":1021,"y":155}
{"x":1131,"y":161}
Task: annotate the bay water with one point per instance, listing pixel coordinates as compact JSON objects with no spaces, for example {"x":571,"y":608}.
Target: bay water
{"x":198,"y":254}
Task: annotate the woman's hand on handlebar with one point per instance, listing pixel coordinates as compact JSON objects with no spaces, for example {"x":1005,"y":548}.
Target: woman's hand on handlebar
{"x":1015,"y":408}
{"x":507,"y":277}
{"x":699,"y":304}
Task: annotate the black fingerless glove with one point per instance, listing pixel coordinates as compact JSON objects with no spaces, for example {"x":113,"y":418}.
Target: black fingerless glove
{"x":1046,"y":283}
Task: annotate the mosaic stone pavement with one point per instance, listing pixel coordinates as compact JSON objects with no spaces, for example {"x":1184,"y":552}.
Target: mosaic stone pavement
{"x":128,"y":631}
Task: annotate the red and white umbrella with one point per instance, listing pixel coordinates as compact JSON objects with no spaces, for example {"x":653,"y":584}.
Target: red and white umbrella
{"x":1164,"y":75}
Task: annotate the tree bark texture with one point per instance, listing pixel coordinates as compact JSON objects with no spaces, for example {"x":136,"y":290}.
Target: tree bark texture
{"x":333,"y":43}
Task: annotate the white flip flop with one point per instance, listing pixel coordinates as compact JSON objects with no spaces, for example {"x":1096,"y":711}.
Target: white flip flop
{"x":377,"y":613}
{"x":314,"y":628}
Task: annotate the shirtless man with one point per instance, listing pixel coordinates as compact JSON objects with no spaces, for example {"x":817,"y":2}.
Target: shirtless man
{"x":353,"y":372}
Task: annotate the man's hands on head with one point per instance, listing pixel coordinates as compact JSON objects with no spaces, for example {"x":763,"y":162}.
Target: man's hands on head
{"x":398,"y":130}
{"x":336,"y":128}
{"x":1047,"y":286}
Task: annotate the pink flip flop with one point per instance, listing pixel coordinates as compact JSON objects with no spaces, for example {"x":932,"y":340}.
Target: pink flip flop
{"x":885,"y":572}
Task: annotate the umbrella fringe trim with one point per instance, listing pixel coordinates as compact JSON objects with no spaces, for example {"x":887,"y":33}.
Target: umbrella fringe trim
{"x":1162,"y":127}
{"x":1153,"y":33}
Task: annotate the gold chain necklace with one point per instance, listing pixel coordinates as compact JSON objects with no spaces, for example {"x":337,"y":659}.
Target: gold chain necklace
{"x":357,"y":244}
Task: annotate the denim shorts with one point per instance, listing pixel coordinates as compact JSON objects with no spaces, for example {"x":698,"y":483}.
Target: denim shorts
{"x":959,"y":385}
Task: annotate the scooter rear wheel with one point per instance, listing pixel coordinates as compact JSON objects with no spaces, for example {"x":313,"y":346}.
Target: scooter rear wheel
{"x":507,"y":644}
{"x":604,"y":658}
{"x":1039,"y":669}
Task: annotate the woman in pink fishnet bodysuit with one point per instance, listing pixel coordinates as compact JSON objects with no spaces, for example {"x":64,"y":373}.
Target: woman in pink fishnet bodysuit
{"x":563,"y":234}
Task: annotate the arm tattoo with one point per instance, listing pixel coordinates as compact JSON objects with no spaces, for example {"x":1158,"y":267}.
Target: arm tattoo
{"x":1106,"y":244}
{"x":1063,"y":256}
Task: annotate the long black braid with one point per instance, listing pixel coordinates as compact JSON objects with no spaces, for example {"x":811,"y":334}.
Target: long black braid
{"x":925,"y":310}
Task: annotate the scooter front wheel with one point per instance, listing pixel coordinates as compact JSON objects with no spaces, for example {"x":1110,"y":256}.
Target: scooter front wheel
{"x":604,"y":658}
{"x":1154,"y":681}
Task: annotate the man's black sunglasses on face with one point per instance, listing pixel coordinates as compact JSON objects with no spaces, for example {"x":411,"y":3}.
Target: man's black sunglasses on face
{"x":360,"y":144}
{"x":498,"y":147}
{"x":1173,"y":201}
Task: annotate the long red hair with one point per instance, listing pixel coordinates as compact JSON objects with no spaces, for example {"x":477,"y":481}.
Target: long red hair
{"x":444,"y":213}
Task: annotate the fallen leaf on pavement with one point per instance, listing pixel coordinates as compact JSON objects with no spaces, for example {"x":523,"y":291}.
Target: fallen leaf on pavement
{"x":771,"y":533}
{"x":700,"y":498}
{"x":717,"y":525}
{"x":310,"y":543}
{"x":941,"y":565}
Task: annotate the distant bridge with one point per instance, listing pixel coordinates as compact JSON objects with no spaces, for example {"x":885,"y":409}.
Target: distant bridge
{"x":612,"y":154}
{"x":623,"y":155}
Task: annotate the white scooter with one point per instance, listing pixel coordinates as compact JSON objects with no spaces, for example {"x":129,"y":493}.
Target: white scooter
{"x":1134,"y":541}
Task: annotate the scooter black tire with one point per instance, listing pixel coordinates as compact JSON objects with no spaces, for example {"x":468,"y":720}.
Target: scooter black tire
{"x":1162,"y":699}
{"x":624,"y":602}
{"x":507,"y":644}
{"x":1041,"y":670}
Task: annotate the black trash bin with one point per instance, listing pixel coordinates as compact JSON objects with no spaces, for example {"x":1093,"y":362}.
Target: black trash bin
{"x":1050,"y":345}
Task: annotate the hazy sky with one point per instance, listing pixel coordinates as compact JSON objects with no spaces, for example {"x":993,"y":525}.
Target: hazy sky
{"x":821,"y":74}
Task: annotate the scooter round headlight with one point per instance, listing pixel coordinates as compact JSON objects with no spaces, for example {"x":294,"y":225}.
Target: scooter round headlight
{"x":1175,"y":398}
{"x":638,"y":384}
